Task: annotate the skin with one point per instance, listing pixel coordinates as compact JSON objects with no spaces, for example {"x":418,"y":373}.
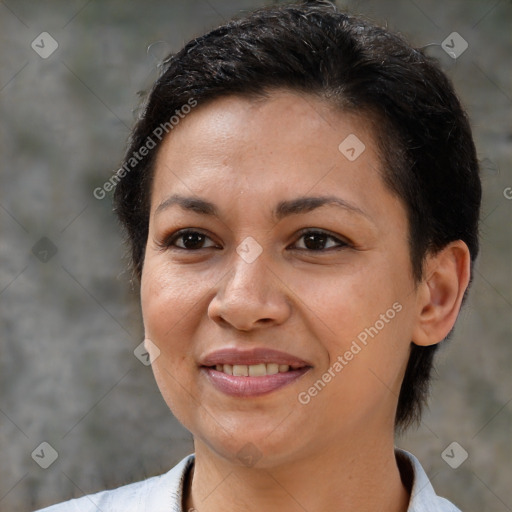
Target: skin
{"x":245,"y":156}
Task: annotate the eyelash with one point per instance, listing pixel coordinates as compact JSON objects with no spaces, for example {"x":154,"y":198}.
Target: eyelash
{"x":168,"y":243}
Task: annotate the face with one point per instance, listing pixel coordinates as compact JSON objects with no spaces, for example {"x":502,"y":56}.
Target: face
{"x":277,"y":280}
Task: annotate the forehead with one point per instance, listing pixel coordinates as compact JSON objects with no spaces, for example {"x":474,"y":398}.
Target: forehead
{"x":285,"y":119}
{"x":286,"y":144}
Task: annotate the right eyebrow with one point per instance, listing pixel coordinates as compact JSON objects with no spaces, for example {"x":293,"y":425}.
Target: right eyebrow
{"x":188,"y":203}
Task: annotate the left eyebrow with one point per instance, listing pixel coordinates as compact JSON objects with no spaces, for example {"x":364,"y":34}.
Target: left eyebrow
{"x":283,"y":209}
{"x":307,"y":204}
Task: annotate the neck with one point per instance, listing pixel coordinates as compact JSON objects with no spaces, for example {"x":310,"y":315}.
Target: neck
{"x":361,"y":476}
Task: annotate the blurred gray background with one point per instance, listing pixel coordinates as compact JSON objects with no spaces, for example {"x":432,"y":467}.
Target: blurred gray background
{"x":69,"y":319}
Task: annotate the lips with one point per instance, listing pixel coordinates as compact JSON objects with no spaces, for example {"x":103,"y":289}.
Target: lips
{"x":251,"y":372}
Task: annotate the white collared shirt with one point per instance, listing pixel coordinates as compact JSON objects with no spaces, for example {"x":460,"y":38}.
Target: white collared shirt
{"x":164,"y":493}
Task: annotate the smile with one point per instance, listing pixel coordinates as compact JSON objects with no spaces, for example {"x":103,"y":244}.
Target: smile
{"x":247,"y":381}
{"x":250,"y":373}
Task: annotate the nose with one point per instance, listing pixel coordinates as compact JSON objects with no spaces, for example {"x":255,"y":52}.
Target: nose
{"x":251,"y":296}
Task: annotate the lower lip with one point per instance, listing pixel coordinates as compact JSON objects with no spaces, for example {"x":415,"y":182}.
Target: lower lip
{"x":251,"y":386}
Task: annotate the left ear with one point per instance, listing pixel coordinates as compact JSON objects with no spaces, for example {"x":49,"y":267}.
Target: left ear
{"x":440,"y":294}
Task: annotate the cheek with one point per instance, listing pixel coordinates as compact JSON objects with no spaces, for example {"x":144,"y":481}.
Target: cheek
{"x":170,"y":303}
{"x":167,"y":298}
{"x":360,"y":316}
{"x":342,"y":303}
{"x":363,"y":331}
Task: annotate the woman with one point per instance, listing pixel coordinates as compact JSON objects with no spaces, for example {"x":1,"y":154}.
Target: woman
{"x":301,"y":199}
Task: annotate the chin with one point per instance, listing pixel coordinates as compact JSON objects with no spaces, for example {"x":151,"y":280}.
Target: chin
{"x":251,"y":444}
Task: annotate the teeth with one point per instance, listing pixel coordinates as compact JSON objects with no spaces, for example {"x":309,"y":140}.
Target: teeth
{"x":240,"y":370}
{"x":257,"y":370}
{"x":272,"y":368}
{"x":252,"y":370}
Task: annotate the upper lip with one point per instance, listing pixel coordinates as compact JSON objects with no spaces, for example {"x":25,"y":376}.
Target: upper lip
{"x":252,"y":356}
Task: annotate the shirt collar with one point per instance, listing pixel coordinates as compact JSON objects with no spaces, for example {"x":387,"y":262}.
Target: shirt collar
{"x":423,"y":497}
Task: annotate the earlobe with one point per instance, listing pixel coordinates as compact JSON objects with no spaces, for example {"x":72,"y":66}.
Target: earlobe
{"x":440,"y":294}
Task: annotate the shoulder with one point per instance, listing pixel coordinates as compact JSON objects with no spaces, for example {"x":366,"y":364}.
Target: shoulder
{"x":423,"y":496}
{"x":158,"y":494}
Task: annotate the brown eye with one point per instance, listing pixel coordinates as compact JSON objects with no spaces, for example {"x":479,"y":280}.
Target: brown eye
{"x":319,"y":241}
{"x":189,"y":240}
